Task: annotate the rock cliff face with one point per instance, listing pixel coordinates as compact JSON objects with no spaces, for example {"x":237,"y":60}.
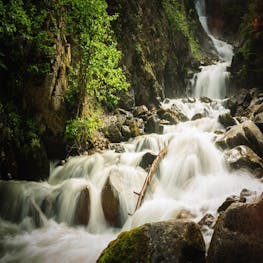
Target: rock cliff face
{"x":240,"y":22}
{"x":159,"y":50}
{"x":225,"y":17}
{"x":247,"y":66}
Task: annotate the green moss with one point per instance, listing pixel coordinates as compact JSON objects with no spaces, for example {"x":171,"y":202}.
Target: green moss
{"x":179,"y":20}
{"x":131,"y":246}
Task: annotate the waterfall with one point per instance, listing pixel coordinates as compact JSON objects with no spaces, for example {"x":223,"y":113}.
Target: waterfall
{"x":212,"y":80}
{"x":87,"y":201}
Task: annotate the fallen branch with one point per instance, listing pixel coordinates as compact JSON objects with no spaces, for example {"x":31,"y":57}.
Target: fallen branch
{"x":149,"y":176}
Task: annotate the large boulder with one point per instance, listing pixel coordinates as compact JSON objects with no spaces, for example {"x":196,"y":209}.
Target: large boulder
{"x":178,"y":241}
{"x":238,"y":235}
{"x":226,"y":119}
{"x":82,"y":211}
{"x":153,"y":125}
{"x":110,"y":202}
{"x":173,"y":114}
{"x":147,"y":160}
{"x":113,"y":132}
{"x":140,"y":110}
{"x":246,"y":133}
{"x":243,"y":157}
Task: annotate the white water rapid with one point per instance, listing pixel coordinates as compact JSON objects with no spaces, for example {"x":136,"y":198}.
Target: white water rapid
{"x":63,"y":220}
{"x":213,"y":79}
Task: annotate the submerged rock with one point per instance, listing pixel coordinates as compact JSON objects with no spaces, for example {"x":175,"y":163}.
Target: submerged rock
{"x":243,"y":157}
{"x":178,"y":241}
{"x":197,"y":116}
{"x":238,"y":235}
{"x":205,"y":100}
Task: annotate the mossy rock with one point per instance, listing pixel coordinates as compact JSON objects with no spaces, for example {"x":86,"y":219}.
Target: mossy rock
{"x":131,"y":246}
{"x":177,"y":241}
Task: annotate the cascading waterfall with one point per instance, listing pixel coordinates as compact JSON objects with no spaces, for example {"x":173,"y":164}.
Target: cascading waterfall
{"x":67,"y":219}
{"x":213,"y":79}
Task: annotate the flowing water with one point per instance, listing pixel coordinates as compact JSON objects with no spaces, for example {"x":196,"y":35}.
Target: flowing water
{"x":62,"y":219}
{"x":212,"y":81}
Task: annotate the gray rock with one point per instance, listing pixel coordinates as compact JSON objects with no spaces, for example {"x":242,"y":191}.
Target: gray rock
{"x":140,"y":110}
{"x":173,"y":115}
{"x":113,"y":132}
{"x":126,"y":132}
{"x":153,"y":125}
{"x":147,"y":160}
{"x":117,"y":147}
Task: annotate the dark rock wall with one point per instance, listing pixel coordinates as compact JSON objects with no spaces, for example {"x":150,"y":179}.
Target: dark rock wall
{"x":156,"y":55}
{"x":225,"y":17}
{"x":247,"y":66}
{"x":241,"y":23}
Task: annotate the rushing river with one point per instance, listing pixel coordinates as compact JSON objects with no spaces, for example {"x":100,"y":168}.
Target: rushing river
{"x":41,"y":222}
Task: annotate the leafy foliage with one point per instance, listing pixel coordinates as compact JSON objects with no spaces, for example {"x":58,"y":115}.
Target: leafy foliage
{"x":29,"y":31}
{"x":98,"y":72}
{"x":79,"y":132}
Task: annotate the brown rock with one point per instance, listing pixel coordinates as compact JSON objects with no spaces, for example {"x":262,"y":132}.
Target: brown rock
{"x":177,"y":241}
{"x":153,"y":125}
{"x":246,"y":133}
{"x":226,"y":120}
{"x":243,"y":157}
{"x":207,"y":220}
{"x":238,"y":235}
{"x":82,"y":212}
{"x":110,"y":202}
{"x":229,"y":201}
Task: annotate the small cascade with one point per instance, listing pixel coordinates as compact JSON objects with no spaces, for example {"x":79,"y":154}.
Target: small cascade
{"x":212,"y":80}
